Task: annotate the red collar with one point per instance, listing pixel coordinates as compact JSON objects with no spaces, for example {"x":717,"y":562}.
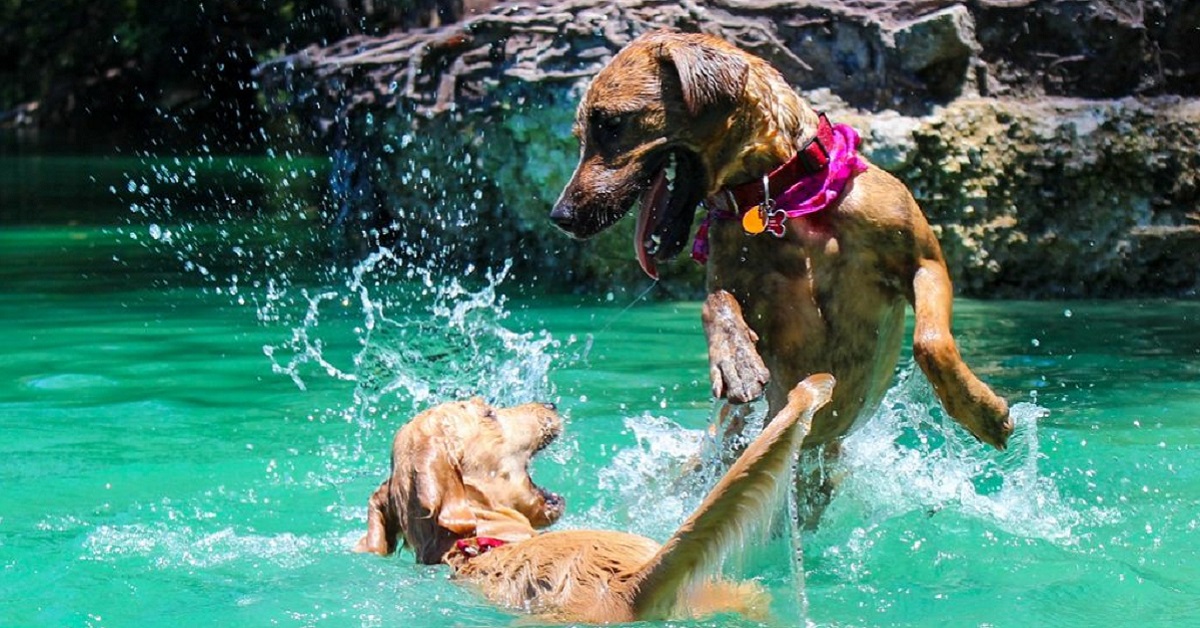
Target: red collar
{"x":477,"y":545}
{"x":810,"y":159}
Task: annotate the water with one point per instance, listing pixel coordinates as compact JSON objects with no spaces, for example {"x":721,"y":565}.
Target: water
{"x":188,"y":435}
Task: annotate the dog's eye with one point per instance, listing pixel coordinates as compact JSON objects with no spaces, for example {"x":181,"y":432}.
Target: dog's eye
{"x":607,"y":126}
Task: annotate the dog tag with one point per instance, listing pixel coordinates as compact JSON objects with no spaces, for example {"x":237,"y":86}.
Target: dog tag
{"x":754,"y":221}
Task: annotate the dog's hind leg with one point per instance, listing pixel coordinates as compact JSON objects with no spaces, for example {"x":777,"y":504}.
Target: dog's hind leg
{"x":965,"y":398}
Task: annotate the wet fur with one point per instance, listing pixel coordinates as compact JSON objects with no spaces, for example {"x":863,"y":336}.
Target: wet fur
{"x":600,"y":576}
{"x":461,"y":470}
{"x":831,"y":295}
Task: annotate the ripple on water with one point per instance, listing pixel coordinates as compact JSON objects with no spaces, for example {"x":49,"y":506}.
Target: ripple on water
{"x":69,"y":381}
{"x":169,"y":545}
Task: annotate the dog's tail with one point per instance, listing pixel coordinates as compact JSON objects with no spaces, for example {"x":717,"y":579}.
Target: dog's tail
{"x":741,"y":497}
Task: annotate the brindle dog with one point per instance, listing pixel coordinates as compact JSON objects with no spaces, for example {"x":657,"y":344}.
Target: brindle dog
{"x":829,"y":295}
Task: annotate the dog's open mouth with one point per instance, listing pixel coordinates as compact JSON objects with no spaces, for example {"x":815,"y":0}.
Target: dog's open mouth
{"x":666,"y":210}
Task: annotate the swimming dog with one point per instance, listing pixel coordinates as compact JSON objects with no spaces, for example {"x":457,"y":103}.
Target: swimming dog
{"x":460,"y":493}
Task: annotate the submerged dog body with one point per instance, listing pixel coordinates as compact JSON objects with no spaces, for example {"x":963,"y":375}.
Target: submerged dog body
{"x":829,"y":295}
{"x":592,"y":576}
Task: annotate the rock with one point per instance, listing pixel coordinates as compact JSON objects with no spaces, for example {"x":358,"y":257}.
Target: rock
{"x":1045,"y":176}
{"x":1058,"y":197}
{"x":938,"y":48}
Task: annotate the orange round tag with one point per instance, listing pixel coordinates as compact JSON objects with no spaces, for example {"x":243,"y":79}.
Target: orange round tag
{"x":754,"y":221}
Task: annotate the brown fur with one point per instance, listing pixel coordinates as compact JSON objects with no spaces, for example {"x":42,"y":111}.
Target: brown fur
{"x":578,"y":575}
{"x":831,"y":295}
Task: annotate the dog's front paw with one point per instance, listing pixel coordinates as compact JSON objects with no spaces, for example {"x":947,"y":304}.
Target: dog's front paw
{"x":738,"y":375}
{"x":737,"y":371}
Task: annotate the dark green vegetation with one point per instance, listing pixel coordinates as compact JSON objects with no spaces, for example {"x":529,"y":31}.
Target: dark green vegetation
{"x":128,"y":72}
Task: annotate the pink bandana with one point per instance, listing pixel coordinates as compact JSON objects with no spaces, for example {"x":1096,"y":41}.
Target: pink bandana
{"x":810,"y":193}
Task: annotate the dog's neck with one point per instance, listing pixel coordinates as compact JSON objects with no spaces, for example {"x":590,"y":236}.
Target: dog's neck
{"x":501,"y":523}
{"x":766,"y":131}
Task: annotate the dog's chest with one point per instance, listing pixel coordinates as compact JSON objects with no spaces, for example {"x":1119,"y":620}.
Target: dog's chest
{"x":807,"y":250}
{"x":812,"y":291}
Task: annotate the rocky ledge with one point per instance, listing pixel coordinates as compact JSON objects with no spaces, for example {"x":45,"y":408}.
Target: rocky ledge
{"x":1053,"y":144}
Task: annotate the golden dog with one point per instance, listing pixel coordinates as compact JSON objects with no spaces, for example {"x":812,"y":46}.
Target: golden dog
{"x":460,"y":493}
{"x":826,"y":290}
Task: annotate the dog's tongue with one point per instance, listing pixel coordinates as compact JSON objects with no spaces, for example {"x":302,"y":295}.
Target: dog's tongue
{"x":652,"y":204}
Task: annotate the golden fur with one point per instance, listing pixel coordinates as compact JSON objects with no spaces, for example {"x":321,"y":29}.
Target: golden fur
{"x":830,"y":296}
{"x":590,"y":576}
{"x":461,"y":470}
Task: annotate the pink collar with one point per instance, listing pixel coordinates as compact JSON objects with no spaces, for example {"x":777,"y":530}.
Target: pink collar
{"x":477,"y":545}
{"x":794,"y":189}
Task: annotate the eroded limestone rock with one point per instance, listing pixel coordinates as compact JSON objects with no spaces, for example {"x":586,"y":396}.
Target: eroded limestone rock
{"x":1052,"y":143}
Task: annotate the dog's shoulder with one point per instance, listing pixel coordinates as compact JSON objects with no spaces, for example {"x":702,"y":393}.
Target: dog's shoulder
{"x":877,"y":196}
{"x":877,"y":205}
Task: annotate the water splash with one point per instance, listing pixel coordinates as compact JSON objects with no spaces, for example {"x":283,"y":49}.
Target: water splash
{"x":172,"y":546}
{"x":911,"y":457}
{"x":652,"y":482}
{"x":233,"y":223}
{"x":410,"y":324}
{"x":422,"y":341}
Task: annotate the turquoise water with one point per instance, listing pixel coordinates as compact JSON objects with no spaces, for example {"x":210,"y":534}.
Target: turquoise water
{"x":194,"y":408}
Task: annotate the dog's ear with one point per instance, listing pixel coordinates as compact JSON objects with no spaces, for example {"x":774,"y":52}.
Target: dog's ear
{"x":505,"y":524}
{"x":431,"y":500}
{"x":383,"y":526}
{"x":441,"y":492}
{"x":709,"y":77}
{"x":454,"y":513}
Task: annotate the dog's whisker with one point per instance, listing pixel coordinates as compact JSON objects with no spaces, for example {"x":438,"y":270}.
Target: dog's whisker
{"x":632,"y":303}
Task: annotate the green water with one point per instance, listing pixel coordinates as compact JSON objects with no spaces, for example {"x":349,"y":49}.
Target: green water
{"x":160,"y":468}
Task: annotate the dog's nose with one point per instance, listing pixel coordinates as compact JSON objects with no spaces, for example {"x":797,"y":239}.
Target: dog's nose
{"x":550,"y":406}
{"x":563,"y":216}
{"x":554,"y":500}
